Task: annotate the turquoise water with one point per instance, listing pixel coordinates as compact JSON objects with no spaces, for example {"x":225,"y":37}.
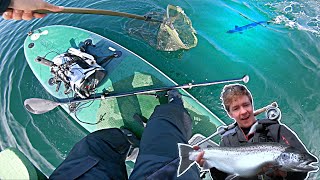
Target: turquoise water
{"x":282,"y":60}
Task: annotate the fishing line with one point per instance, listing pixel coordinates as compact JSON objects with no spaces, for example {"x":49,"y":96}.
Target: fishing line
{"x":100,"y":119}
{"x":81,"y":107}
{"x":50,"y":52}
{"x":46,"y":43}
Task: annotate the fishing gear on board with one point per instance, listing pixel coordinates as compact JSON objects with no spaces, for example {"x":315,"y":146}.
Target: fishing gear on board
{"x":176,"y":31}
{"x":77,"y":70}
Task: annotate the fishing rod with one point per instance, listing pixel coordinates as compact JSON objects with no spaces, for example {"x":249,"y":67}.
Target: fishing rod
{"x":223,"y":129}
{"x":40,"y":106}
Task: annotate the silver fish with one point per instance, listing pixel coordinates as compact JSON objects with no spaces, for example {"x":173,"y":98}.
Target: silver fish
{"x":247,"y":160}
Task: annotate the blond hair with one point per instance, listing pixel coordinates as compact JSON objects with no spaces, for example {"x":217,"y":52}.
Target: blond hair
{"x":232,"y":91}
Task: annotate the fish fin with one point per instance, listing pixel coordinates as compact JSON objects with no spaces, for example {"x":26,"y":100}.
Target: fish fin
{"x":185,"y":162}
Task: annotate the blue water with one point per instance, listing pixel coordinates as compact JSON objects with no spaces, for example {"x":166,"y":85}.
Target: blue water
{"x":282,"y":60}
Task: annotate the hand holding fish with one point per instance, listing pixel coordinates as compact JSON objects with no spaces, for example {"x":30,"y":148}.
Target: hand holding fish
{"x":199,"y":158}
{"x":247,"y":160}
{"x":268,"y":169}
{"x":271,"y":171}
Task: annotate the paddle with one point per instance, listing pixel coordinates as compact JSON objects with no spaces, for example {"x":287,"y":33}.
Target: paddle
{"x":222,"y":129}
{"x":175,"y":32}
{"x":40,"y":106}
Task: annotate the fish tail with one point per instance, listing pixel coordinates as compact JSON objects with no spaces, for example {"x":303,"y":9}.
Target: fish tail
{"x":185,"y":162}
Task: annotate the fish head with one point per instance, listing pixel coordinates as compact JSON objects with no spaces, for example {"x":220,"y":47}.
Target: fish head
{"x":293,"y":160}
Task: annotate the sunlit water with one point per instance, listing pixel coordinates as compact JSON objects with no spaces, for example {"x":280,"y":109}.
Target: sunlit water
{"x":281,"y":58}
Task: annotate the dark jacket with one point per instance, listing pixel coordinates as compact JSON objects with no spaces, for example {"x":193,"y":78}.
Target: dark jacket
{"x":267,"y":131}
{"x":4,"y":4}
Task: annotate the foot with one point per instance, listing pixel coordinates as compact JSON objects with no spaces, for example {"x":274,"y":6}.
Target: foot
{"x":174,"y":96}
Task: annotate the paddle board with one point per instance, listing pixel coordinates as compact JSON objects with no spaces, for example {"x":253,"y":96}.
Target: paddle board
{"x":126,"y":73}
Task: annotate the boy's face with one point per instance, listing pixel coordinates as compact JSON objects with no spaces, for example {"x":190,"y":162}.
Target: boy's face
{"x":241,"y":110}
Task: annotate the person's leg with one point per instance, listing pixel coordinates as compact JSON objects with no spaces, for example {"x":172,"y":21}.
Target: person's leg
{"x":158,"y":154}
{"x":100,"y":155}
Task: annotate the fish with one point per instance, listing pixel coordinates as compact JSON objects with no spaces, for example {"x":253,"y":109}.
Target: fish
{"x":240,"y":29}
{"x":247,"y":160}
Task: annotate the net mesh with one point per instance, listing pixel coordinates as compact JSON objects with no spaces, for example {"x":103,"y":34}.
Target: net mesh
{"x":176,"y":32}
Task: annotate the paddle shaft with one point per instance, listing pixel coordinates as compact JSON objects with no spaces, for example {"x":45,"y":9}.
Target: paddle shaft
{"x":40,"y":106}
{"x":147,"y":91}
{"x":73,"y":10}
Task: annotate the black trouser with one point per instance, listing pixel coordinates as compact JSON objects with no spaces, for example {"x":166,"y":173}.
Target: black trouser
{"x":101,"y":155}
{"x":158,"y":156}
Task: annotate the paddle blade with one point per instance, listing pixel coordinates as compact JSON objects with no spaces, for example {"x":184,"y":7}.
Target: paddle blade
{"x":245,"y":79}
{"x":39,"y":106}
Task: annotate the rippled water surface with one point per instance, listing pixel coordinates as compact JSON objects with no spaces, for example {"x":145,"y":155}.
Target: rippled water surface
{"x":281,"y":58}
